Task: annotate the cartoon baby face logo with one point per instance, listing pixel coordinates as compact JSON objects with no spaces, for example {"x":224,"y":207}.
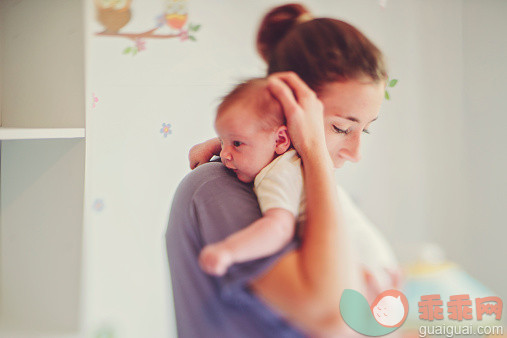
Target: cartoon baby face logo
{"x":386,"y":314}
{"x":389,"y":309}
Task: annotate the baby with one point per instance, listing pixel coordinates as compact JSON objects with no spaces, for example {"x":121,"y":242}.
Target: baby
{"x":255,"y":144}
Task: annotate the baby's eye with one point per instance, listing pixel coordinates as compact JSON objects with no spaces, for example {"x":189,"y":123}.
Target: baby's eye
{"x":366,"y":131}
{"x":340,"y":131}
{"x":237,"y":143}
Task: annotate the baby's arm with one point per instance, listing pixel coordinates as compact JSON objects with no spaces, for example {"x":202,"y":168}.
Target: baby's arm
{"x":203,"y":152}
{"x":262,"y":238}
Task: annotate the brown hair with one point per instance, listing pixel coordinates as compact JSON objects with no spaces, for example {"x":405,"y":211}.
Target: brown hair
{"x":255,"y":93}
{"x":320,"y":50}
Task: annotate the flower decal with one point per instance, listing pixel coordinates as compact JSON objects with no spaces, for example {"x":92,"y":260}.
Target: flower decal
{"x":184,"y":35}
{"x":98,"y":205}
{"x":105,"y":331}
{"x":160,"y":21}
{"x":94,"y":100}
{"x":139,"y":46}
{"x":166,"y":129}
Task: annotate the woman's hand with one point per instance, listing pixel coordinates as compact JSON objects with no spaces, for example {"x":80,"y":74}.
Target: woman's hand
{"x":373,"y":286}
{"x":304,"y":113}
{"x":201,"y":153}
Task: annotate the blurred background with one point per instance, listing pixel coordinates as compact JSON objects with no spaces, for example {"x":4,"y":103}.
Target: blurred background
{"x":143,"y":79}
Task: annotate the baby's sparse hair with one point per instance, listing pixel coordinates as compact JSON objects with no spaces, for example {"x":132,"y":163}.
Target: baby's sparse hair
{"x":255,"y":91}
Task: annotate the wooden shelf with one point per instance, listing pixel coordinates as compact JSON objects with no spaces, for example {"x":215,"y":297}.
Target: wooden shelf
{"x":40,"y":133}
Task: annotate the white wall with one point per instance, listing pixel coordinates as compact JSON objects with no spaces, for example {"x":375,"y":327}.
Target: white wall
{"x":485,"y":117}
{"x":424,"y":159}
{"x":406,"y":181}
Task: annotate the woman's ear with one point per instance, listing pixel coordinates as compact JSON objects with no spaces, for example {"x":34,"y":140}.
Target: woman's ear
{"x":282,"y":140}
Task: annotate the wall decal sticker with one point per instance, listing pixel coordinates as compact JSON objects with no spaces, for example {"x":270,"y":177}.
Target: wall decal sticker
{"x":98,"y":205}
{"x":106,"y":331}
{"x":390,"y":83}
{"x":94,"y":100}
{"x":166,"y":129}
{"x":113,"y":15}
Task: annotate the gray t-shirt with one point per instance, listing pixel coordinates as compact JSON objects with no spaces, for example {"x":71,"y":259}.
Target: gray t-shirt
{"x":209,"y":205}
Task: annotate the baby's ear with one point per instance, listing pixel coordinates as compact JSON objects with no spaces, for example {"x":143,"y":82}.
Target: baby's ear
{"x":282,"y":140}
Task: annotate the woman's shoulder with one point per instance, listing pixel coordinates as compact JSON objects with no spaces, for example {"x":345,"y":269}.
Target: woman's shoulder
{"x":205,"y":173}
{"x":211,"y":178}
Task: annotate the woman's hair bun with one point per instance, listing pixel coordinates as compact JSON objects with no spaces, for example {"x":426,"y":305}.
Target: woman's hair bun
{"x":276,"y":24}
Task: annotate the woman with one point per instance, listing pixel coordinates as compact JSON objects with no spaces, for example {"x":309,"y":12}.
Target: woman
{"x":330,"y":80}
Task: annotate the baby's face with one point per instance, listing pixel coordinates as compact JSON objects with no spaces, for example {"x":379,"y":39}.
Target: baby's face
{"x":246,"y":148}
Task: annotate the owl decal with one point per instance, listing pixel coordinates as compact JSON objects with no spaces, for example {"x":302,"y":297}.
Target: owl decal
{"x":176,"y":13}
{"x":113,"y":14}
{"x":170,"y":23}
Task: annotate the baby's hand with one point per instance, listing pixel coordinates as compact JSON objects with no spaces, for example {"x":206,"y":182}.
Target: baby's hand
{"x":201,"y":153}
{"x":215,"y":259}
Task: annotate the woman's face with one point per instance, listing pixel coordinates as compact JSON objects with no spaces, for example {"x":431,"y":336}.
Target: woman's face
{"x":349,"y":109}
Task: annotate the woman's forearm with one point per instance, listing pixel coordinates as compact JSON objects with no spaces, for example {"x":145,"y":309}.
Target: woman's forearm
{"x":325,"y":254}
{"x":306,"y":284}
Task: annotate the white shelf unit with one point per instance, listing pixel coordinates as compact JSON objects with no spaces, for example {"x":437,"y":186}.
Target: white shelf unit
{"x":40,"y":133}
{"x":42,"y":168}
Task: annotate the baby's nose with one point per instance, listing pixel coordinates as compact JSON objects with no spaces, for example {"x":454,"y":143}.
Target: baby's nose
{"x":225,"y":155}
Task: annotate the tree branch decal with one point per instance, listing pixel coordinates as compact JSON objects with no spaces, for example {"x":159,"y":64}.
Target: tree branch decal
{"x":115,"y":14}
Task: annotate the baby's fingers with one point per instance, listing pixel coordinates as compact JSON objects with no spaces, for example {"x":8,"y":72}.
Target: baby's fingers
{"x":192,"y":160}
{"x":195,"y":157}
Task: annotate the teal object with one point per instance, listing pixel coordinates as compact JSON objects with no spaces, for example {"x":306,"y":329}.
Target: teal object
{"x":445,"y":279}
{"x":356,"y":312}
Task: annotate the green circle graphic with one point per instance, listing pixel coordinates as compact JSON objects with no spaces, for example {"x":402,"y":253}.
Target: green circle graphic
{"x":356,"y":312}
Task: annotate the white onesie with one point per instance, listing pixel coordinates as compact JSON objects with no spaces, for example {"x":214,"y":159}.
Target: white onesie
{"x":280,"y":184}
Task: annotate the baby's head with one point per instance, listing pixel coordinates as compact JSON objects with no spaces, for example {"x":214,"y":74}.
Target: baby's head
{"x":251,"y":127}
